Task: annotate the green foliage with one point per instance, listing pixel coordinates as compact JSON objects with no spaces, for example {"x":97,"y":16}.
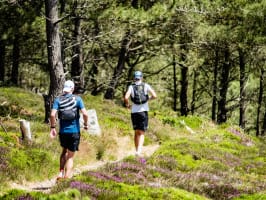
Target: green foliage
{"x":191,"y":121}
{"x":19,"y":103}
{"x":259,"y":196}
{"x":30,"y":162}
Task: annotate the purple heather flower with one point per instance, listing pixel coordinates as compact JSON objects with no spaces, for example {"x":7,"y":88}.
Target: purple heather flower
{"x":27,"y":197}
{"x":85,"y":187}
{"x":142,"y":161}
{"x":102,"y":176}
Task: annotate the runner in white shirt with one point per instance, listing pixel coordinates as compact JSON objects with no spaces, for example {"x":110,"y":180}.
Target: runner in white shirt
{"x":139,"y":93}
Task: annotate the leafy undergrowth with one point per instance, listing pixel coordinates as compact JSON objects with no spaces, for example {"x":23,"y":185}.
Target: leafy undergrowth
{"x":196,"y":160}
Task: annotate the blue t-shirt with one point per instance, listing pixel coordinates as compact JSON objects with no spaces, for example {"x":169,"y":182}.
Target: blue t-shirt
{"x":70,"y":126}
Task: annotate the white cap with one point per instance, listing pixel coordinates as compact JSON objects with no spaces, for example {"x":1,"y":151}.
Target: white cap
{"x":68,"y":86}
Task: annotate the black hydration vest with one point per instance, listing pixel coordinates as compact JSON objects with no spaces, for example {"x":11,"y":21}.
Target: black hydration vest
{"x":68,"y":108}
{"x":139,"y":96}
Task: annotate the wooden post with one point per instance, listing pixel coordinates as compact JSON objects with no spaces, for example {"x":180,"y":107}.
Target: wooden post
{"x":25,"y":129}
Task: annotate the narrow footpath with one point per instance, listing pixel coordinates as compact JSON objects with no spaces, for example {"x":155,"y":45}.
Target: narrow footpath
{"x":46,"y":185}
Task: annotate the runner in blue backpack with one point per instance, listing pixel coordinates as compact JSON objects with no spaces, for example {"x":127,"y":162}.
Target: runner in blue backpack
{"x":68,"y":107}
{"x":139,"y":95}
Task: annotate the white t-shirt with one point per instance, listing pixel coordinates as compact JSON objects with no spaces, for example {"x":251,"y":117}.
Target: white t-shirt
{"x":141,"y":107}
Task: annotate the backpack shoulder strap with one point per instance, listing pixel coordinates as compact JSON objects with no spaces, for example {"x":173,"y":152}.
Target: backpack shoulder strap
{"x":67,"y":102}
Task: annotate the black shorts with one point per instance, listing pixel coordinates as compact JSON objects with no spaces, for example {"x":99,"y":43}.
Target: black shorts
{"x":70,"y":141}
{"x":140,"y":120}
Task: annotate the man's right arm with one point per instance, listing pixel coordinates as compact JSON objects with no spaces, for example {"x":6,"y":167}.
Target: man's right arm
{"x":126,"y":99}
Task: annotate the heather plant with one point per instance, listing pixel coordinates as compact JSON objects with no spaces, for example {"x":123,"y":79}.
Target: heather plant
{"x":65,"y":195}
{"x":216,"y":162}
{"x":104,"y":188}
{"x":212,"y":164}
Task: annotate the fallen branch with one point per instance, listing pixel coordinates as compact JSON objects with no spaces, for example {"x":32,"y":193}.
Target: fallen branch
{"x":3,"y":127}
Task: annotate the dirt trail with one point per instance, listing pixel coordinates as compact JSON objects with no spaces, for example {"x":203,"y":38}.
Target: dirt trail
{"x":46,"y":185}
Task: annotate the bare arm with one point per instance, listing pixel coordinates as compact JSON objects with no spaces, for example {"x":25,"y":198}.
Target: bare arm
{"x":126,"y":99}
{"x":52,"y":118}
{"x":153,"y":94}
{"x":85,"y":117}
{"x":53,"y":132}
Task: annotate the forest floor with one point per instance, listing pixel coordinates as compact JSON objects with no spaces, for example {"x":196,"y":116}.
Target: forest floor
{"x":122,"y":152}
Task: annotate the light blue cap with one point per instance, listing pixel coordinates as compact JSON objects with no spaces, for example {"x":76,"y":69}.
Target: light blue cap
{"x":137,"y":75}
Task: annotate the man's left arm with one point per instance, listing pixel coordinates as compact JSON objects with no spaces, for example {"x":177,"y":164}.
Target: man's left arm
{"x":84,"y":113}
{"x":153,"y":94}
{"x":85,"y":118}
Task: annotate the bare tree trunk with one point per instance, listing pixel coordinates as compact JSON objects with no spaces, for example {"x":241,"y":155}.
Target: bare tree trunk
{"x":194,"y":91}
{"x":77,"y":58}
{"x":57,"y":76}
{"x":15,"y":66}
{"x":214,"y":86}
{"x":185,"y":38}
{"x":92,"y":82}
{"x":262,"y":74}
{"x":222,"y":111}
{"x":135,"y":4}
{"x":183,"y":92}
{"x":2,"y":60}
{"x":263,"y":131}
{"x":93,"y":74}
{"x":175,"y":84}
{"x":243,"y":79}
{"x":119,"y":68}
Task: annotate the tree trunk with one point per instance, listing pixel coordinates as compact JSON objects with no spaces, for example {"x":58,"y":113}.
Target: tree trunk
{"x":175,"y":84}
{"x":93,"y":74}
{"x":2,"y":60}
{"x":77,"y":58}
{"x":57,"y":76}
{"x":92,"y":82}
{"x":183,"y":92}
{"x":263,"y":131}
{"x":135,"y":4}
{"x":243,"y":80}
{"x":194,"y":91}
{"x":222,"y":111}
{"x":185,"y":38}
{"x":119,"y":68}
{"x":214,"y":86}
{"x":15,"y":66}
{"x":262,"y":74}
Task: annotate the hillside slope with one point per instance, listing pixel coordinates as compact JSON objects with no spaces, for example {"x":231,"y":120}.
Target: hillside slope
{"x":196,"y":158}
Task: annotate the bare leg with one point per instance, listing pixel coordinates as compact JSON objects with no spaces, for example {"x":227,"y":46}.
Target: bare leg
{"x":139,"y":140}
{"x":63,"y":157}
{"x":69,"y":164}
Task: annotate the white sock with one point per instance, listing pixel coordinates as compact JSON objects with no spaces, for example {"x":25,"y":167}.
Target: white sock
{"x":61,"y":174}
{"x":139,"y":150}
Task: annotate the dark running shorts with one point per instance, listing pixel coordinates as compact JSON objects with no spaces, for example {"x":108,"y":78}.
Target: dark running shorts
{"x":70,"y":141}
{"x":140,"y":120}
